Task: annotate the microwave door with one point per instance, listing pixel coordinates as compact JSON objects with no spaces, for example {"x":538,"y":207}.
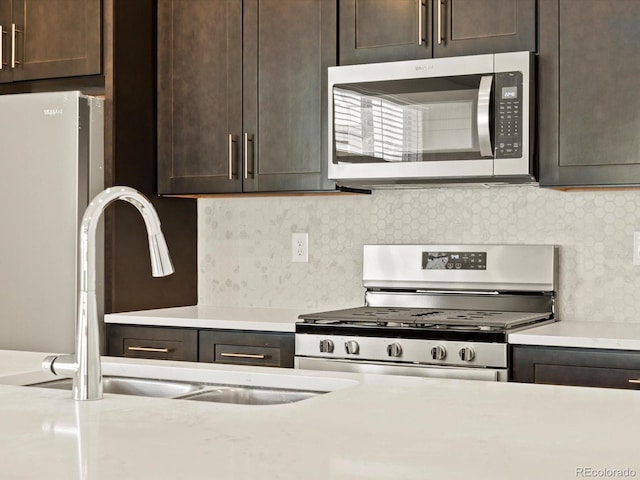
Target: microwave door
{"x":483,"y":116}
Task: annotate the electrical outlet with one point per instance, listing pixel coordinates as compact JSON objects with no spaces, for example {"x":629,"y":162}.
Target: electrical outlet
{"x":300,"y":247}
{"x":636,"y":248}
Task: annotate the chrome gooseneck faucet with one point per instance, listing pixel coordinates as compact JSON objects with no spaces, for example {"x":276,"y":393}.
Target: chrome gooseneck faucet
{"x":84,"y":365}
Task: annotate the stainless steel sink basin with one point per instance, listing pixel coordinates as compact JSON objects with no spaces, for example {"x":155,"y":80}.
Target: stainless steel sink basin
{"x":201,"y":392}
{"x":251,"y":395}
{"x":132,"y":386}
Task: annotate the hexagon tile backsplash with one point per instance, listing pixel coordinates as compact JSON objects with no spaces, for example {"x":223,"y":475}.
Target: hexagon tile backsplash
{"x":244,"y":244}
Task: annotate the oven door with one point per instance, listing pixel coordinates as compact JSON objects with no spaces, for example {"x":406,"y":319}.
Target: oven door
{"x":381,"y":368}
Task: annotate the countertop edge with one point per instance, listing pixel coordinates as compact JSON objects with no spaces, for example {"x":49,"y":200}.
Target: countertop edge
{"x":594,"y":335}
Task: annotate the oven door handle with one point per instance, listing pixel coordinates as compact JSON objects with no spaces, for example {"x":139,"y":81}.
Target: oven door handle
{"x":381,"y":368}
{"x":483,"y":116}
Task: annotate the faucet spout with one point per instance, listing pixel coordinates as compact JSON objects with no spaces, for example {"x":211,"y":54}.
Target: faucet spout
{"x":84,"y":366}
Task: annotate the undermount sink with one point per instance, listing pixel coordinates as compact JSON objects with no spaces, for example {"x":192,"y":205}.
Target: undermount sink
{"x":251,"y":395}
{"x":202,"y":392}
{"x":132,"y":386}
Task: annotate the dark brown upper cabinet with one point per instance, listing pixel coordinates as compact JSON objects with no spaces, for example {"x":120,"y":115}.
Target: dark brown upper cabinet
{"x":389,"y":30}
{"x":589,"y":109}
{"x":42,"y":39}
{"x":242,"y":95}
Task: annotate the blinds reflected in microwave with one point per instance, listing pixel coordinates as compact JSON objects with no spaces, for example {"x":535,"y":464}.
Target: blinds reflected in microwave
{"x":402,"y":128}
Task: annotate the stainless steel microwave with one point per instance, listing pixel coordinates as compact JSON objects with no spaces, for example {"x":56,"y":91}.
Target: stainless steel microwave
{"x":446,"y":120}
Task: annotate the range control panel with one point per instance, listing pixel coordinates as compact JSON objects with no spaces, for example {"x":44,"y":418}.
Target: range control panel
{"x":454,"y":260}
{"x":508,"y":121}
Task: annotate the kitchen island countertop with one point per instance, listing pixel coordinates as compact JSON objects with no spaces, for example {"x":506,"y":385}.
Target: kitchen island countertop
{"x":606,"y":335}
{"x":371,"y":427}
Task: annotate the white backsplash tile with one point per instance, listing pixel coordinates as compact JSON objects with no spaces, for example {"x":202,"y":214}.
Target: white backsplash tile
{"x":244,"y":244}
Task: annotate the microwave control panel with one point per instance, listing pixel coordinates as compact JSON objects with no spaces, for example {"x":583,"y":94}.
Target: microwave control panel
{"x":508,"y":120}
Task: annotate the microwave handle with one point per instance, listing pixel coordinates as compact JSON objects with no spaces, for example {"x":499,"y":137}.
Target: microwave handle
{"x":484,"y":132}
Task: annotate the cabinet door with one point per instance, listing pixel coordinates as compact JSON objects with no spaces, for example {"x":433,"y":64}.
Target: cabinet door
{"x":56,"y":38}
{"x":267,"y":349}
{"x":576,"y":366}
{"x":384,"y":30}
{"x":288,"y":45}
{"x":470,"y":27}
{"x":5,"y":40}
{"x":162,"y":343}
{"x":589,"y":111}
{"x":199,"y":96}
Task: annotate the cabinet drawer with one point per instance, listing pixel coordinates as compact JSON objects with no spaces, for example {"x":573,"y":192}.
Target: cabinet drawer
{"x":153,"y":342}
{"x":246,"y":348}
{"x":587,"y":376}
{"x":576,"y":366}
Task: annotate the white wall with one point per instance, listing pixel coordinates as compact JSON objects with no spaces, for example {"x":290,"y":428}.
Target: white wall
{"x":244,"y":253}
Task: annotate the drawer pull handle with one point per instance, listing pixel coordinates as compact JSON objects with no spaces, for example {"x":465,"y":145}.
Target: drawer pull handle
{"x":244,"y":355}
{"x":634,"y":380}
{"x":148,"y":349}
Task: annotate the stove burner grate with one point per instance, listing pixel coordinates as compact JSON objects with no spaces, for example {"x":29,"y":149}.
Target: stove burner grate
{"x":441,"y":319}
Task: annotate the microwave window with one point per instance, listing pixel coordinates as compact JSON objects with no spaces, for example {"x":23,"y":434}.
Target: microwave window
{"x":399,"y":122}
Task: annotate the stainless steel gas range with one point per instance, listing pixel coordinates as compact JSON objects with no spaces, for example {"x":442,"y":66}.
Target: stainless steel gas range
{"x":434,"y":311}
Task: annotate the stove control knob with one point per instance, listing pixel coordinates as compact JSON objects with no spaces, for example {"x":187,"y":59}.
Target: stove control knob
{"x":352,"y":347}
{"x":394,"y":350}
{"x":326,"y":346}
{"x":466,"y":354}
{"x":438,"y":352}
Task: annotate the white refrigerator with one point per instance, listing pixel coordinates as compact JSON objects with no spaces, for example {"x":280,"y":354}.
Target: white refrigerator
{"x":51,"y":165}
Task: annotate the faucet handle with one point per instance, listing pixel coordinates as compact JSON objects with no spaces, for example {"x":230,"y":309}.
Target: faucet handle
{"x":64,"y":365}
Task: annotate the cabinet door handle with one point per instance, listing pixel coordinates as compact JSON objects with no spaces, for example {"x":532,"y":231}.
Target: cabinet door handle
{"x":244,"y":355}
{"x":232,"y":140}
{"x":14,"y":32}
{"x":2,"y":32}
{"x":635,"y":380}
{"x":148,"y":349}
{"x":440,"y":29}
{"x":248,"y":138}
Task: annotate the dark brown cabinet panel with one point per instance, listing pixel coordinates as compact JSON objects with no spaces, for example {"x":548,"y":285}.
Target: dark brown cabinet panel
{"x":389,"y":30}
{"x":288,"y":46}
{"x":239,"y":347}
{"x":199,"y":96}
{"x":5,"y":36}
{"x":247,"y":348}
{"x":242,"y":101}
{"x":469,"y":27}
{"x":588,"y":109}
{"x":161,"y":343}
{"x":576,"y":366}
{"x":384,"y":30}
{"x":130,"y":159}
{"x":44,"y":39}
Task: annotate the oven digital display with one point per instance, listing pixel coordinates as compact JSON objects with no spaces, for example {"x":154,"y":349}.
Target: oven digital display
{"x":454,"y":260}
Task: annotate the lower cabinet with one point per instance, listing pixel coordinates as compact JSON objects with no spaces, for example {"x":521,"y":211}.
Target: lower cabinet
{"x":161,"y":343}
{"x":575,"y":366}
{"x":240,"y":347}
{"x":246,"y":348}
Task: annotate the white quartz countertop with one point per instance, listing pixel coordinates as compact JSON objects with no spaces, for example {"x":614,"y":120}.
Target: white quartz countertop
{"x":203,"y":316}
{"x":607,"y":335}
{"x":371,"y":427}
